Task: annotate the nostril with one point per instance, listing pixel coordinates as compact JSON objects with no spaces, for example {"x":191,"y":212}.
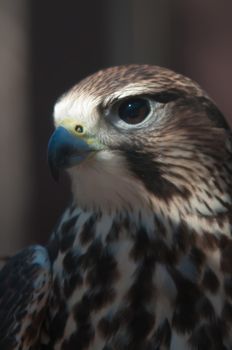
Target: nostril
{"x":79,"y":129}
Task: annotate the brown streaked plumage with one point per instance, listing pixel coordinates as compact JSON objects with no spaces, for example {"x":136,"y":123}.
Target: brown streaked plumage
{"x":141,"y":260}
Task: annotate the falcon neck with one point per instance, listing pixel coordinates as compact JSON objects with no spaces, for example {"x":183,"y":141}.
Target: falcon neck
{"x":167,"y":225}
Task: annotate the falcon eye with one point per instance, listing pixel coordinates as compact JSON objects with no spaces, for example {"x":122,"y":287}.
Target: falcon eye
{"x":134,"y":110}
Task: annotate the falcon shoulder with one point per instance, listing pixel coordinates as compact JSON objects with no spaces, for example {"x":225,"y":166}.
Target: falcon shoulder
{"x":24,"y":290}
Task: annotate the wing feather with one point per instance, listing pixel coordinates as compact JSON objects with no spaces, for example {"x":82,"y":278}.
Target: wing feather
{"x":24,"y":289}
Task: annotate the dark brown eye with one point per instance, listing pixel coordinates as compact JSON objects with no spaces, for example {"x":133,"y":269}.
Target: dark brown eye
{"x":134,"y":110}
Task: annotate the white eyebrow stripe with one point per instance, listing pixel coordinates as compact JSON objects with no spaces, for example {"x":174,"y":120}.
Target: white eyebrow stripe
{"x":132,"y":89}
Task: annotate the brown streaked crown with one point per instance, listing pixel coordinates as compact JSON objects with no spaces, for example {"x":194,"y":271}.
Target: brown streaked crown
{"x":110,"y":80}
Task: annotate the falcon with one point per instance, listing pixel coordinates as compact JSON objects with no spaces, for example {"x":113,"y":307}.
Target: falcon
{"x":142,"y":258}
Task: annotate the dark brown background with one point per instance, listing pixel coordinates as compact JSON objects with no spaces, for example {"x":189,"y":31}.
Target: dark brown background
{"x":47,"y":46}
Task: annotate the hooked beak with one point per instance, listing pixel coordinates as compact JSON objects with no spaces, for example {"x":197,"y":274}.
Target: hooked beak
{"x":66,"y":150}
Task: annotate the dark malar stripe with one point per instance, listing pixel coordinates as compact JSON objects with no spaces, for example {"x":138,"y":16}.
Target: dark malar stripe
{"x":146,"y":170}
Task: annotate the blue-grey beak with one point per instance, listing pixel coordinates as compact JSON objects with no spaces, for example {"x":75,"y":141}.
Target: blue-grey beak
{"x":65,"y":150}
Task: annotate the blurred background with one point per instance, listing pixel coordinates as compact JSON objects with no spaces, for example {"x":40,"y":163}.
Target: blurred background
{"x":47,"y":46}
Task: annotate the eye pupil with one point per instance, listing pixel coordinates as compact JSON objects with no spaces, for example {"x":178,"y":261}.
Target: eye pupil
{"x":134,"y":111}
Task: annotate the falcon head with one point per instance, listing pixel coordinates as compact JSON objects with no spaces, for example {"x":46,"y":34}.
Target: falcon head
{"x":142,"y":137}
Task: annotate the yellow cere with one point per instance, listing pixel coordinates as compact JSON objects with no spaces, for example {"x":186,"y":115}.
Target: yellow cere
{"x":75,"y":128}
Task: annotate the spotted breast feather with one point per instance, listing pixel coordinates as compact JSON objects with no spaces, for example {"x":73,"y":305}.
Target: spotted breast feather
{"x":142,"y":259}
